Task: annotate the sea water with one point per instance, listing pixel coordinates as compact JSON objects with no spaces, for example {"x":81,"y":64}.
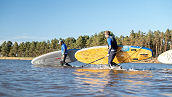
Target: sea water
{"x":19,"y":78}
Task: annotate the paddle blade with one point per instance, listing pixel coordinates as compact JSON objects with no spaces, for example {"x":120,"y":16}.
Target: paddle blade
{"x":58,"y":58}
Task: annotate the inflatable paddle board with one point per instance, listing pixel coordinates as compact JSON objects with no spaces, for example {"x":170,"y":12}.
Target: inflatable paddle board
{"x":54,"y":58}
{"x":165,"y":57}
{"x":125,"y":54}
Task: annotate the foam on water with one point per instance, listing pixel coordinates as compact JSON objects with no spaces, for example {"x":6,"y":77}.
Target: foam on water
{"x":125,"y":66}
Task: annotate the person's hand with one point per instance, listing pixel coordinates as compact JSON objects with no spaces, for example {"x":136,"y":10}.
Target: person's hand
{"x":62,"y":57}
{"x":107,"y":55}
{"x":107,"y":49}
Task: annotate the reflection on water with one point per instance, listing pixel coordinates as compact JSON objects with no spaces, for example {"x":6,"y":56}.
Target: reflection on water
{"x":92,"y":78}
{"x":21,"y":79}
{"x":124,"y":82}
{"x":102,"y":78}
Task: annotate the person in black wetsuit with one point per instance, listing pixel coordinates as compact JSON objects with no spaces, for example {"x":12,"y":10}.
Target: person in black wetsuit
{"x":112,"y":48}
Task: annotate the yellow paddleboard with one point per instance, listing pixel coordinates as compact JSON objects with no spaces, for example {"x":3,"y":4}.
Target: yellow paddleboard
{"x":125,"y":54}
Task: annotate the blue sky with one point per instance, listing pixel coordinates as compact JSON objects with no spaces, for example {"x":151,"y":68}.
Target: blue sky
{"x":39,"y":20}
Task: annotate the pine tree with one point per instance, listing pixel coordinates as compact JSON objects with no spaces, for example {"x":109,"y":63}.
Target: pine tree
{"x":70,"y":42}
{"x":171,"y":39}
{"x":132,"y":37}
{"x":0,"y":50}
{"x":32,"y":49}
{"x":54,"y":44}
{"x":37,"y":50}
{"x":142,"y":39}
{"x":43,"y":47}
{"x":161,"y":42}
{"x":118,"y":40}
{"x":14,"y":50}
{"x":9,"y":46}
{"x":122,"y":39}
{"x":27,"y":47}
{"x":167,"y":39}
{"x":49,"y":46}
{"x":21,"y":50}
{"x":81,"y":42}
{"x":89,"y":42}
{"x":101,"y":39}
{"x":149,"y":37}
{"x":4,"y":49}
{"x":94,"y":42}
{"x":156,"y":42}
{"x":126,"y":40}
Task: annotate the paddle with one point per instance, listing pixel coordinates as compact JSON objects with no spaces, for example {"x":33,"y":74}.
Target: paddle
{"x":94,"y":61}
{"x":58,"y":58}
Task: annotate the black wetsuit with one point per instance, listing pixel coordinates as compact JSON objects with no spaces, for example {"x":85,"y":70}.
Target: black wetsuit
{"x":112,"y":45}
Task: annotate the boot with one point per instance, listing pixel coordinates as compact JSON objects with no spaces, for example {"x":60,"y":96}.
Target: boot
{"x":66,"y":64}
{"x":114,"y":64}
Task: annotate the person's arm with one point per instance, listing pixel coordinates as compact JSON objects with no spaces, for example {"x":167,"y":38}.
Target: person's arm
{"x":109,"y":40}
{"x":63,"y":50}
{"x":109,"y":49}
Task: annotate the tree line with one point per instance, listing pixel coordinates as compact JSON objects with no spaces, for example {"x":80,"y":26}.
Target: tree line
{"x":158,"y":41}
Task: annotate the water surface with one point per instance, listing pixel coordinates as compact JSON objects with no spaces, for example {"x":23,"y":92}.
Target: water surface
{"x":18,"y":78}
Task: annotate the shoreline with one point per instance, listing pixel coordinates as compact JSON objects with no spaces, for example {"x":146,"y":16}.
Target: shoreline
{"x":16,"y":58}
{"x":150,"y":60}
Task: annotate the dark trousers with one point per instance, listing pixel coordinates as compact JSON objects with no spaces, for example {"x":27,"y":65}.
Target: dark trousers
{"x":111,"y":57}
{"x":65,"y":55}
{"x":63,"y":62}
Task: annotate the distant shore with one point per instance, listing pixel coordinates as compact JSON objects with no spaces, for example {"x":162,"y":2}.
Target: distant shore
{"x":150,"y":60}
{"x":16,"y":58}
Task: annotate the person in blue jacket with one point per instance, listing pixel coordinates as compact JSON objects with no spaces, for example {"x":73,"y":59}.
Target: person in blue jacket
{"x":112,"y":48}
{"x":64,"y":53}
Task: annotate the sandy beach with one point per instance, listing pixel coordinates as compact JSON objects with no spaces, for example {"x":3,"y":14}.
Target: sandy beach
{"x":17,"y":58}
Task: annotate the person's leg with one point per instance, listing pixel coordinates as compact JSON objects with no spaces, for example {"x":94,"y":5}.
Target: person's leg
{"x":64,"y":58}
{"x":62,"y":62}
{"x":110,"y":59}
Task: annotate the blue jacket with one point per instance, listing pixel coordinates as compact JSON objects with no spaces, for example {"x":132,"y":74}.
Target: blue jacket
{"x":112,"y":42}
{"x":64,"y":49}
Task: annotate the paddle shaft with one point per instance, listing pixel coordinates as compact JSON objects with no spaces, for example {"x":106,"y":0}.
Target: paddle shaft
{"x":94,"y":61}
{"x":132,"y":54}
